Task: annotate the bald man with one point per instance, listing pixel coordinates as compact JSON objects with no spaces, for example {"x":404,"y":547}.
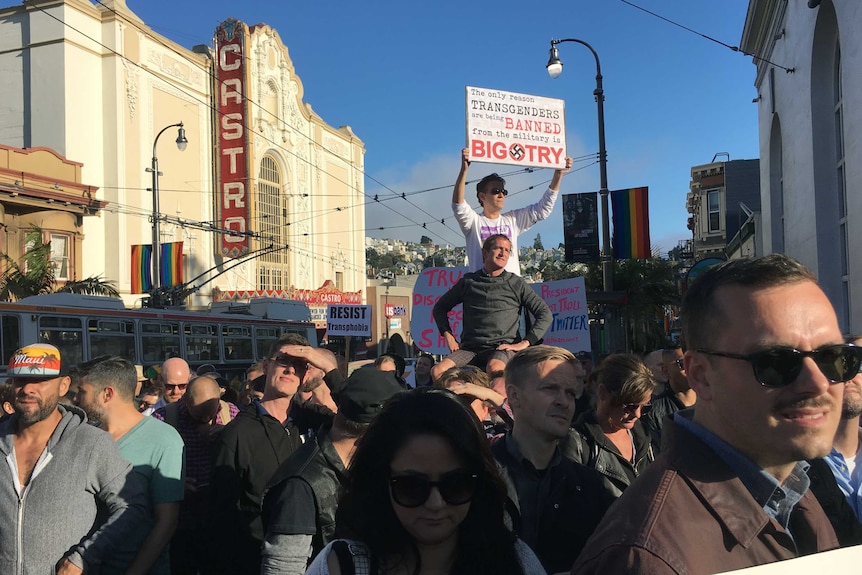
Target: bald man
{"x":175,"y":375}
{"x":198,"y":417}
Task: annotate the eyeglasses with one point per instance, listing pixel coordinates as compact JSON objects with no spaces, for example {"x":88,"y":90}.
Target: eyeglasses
{"x":496,"y":191}
{"x":179,"y":386}
{"x":285,"y":360}
{"x":780,"y":366}
{"x":456,"y":488}
{"x":633,"y":407}
{"x":680,"y":363}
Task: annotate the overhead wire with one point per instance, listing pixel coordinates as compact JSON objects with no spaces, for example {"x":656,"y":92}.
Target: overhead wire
{"x":707,"y":37}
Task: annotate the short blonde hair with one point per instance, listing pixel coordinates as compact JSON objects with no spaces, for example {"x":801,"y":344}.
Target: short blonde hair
{"x":520,"y":367}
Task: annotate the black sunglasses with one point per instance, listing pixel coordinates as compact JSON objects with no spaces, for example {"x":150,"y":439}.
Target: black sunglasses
{"x":633,"y":407}
{"x":780,"y":366}
{"x":495,"y":191}
{"x":456,"y":488}
{"x":285,"y":360}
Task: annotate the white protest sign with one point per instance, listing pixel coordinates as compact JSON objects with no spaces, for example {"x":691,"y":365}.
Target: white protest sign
{"x":511,"y":128}
{"x":433,"y":283}
{"x":352,"y":320}
{"x":570,"y":323}
{"x":567,"y":299}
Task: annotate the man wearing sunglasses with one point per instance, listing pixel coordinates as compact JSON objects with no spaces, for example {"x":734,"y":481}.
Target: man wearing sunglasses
{"x":301,"y":499}
{"x":767,"y":360}
{"x":676,"y":397}
{"x":252,"y":447}
{"x":491,"y":192}
{"x":556,"y":502}
{"x":175,"y":375}
{"x":845,"y":459}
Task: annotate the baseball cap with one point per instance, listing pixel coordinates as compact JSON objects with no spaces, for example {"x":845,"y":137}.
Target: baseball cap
{"x":365,"y":393}
{"x":37,"y":361}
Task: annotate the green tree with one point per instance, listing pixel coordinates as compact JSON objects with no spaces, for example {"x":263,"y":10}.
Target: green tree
{"x":425,"y":241}
{"x":650,"y":289}
{"x":537,"y":243}
{"x":34,"y":274}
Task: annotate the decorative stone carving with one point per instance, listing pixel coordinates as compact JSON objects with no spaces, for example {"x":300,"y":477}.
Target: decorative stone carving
{"x":131,"y":77}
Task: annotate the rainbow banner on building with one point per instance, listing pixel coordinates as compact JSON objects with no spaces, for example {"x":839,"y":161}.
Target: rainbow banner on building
{"x":142,"y":276}
{"x":171,"y":264}
{"x":631,"y":223}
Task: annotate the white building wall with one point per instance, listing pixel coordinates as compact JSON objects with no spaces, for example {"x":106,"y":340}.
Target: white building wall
{"x":795,"y":36}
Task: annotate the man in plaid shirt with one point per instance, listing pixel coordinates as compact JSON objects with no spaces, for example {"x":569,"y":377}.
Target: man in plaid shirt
{"x":198,"y":417}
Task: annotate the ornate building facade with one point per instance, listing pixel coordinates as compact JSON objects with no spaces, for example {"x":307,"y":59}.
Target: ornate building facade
{"x":98,"y":86}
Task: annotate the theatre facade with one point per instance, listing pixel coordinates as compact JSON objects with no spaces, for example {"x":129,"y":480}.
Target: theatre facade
{"x":265,"y":197}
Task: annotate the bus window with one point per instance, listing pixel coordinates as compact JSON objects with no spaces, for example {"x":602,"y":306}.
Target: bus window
{"x":160,"y":341}
{"x":112,"y":337}
{"x":237,"y":343}
{"x":264,"y":337}
{"x":201,"y":342}
{"x":64,"y":333}
{"x":10,"y":338}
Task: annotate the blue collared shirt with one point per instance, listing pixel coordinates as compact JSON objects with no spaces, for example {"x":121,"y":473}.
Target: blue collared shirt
{"x":777,"y":500}
{"x":850,"y":484}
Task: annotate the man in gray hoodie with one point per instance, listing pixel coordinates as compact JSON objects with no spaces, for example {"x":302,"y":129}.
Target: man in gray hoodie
{"x":57,"y":471}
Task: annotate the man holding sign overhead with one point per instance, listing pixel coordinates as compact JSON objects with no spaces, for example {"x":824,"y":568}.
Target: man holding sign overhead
{"x":491,"y":192}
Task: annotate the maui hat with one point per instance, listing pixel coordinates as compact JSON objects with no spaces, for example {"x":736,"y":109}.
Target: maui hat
{"x":36,"y":361}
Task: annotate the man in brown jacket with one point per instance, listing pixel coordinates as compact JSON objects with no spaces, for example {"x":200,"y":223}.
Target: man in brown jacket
{"x":767,"y":360}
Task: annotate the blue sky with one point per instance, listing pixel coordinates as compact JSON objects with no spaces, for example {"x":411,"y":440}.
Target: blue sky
{"x":395,"y":72}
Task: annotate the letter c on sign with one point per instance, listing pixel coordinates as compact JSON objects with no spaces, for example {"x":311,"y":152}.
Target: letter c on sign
{"x":223,"y":57}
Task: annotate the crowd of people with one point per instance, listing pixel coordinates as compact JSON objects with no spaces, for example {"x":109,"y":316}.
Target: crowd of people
{"x":506,"y":457}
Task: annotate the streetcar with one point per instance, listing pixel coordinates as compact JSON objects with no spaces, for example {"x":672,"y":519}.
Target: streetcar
{"x":231,"y":336}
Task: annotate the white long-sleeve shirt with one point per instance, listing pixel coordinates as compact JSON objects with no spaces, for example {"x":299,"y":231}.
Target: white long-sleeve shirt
{"x":477,"y":228}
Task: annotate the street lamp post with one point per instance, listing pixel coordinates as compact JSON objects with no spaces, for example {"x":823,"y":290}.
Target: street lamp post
{"x":182,"y":142}
{"x":555,"y":68}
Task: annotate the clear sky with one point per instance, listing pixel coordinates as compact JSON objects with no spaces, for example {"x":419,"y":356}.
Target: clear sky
{"x":395,"y":72}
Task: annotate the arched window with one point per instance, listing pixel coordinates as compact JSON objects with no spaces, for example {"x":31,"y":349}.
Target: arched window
{"x":270,"y":224}
{"x":841,"y":182}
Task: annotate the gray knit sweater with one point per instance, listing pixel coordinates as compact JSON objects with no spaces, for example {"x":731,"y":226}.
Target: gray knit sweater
{"x":491,"y":307}
{"x":56,"y":514}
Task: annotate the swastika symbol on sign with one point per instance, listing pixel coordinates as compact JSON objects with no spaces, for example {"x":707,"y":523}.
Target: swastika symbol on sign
{"x":516,"y":151}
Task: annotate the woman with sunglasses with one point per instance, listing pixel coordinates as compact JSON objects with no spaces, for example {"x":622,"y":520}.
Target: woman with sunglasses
{"x":424,"y":496}
{"x":611,"y":438}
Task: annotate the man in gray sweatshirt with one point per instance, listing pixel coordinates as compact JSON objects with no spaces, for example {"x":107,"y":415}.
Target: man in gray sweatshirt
{"x":57,"y":471}
{"x":492,"y":301}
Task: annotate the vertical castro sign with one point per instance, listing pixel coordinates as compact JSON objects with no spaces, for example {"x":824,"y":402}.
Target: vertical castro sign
{"x":232,"y":157}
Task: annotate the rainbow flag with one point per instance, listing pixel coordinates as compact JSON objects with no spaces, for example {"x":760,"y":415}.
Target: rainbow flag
{"x":171,"y":264}
{"x":631,"y":223}
{"x":142,"y":276}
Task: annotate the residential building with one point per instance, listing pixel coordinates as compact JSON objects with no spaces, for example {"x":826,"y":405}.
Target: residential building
{"x":722,"y":196}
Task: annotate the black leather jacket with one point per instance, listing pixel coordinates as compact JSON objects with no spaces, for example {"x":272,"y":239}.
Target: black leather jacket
{"x":588,"y":445}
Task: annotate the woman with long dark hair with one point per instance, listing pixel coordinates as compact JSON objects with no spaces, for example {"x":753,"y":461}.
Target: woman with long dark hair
{"x":424,"y":496}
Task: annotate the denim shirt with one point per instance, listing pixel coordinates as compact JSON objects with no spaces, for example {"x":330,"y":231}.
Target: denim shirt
{"x":850,"y":484}
{"x":776,"y":500}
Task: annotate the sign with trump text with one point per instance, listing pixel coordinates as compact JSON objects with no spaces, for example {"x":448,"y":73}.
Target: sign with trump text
{"x":519,"y":129}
